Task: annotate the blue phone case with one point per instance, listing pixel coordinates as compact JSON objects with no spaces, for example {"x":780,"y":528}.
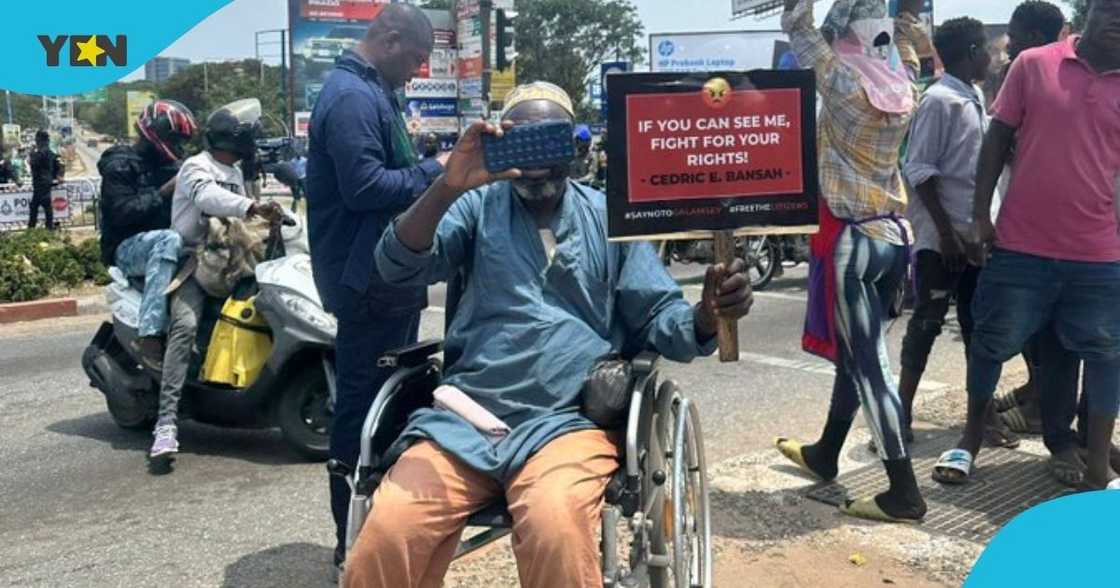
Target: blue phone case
{"x":531,"y":146}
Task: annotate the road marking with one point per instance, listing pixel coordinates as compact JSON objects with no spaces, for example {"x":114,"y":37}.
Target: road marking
{"x":757,"y":294}
{"x":822,"y":367}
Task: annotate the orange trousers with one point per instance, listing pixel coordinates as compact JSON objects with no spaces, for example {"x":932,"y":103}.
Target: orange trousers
{"x":420,"y":509}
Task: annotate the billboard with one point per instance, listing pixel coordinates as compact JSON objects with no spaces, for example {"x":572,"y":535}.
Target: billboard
{"x":728,"y":51}
{"x":321,"y":30}
{"x":135,"y":102}
{"x":9,"y":137}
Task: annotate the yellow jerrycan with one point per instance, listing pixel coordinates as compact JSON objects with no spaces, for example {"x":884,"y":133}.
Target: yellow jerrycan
{"x":239,"y":346}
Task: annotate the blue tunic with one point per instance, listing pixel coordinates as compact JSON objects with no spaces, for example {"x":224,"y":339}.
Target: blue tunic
{"x":527,"y":332}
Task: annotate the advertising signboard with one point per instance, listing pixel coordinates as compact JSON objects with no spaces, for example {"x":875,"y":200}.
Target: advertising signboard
{"x":303,"y":123}
{"x":9,"y":136}
{"x":606,"y":69}
{"x":321,"y":30}
{"x":432,"y":88}
{"x":135,"y":102}
{"x":712,"y":151}
{"x":728,"y":51}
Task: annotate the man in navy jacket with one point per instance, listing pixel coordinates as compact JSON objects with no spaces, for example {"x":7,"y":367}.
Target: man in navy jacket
{"x":362,"y":171}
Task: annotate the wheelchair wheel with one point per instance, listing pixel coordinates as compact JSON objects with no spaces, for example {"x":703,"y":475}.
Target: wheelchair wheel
{"x":679,"y":512}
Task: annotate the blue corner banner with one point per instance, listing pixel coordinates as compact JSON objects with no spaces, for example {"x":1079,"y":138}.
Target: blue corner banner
{"x":1070,"y":541}
{"x":64,"y":47}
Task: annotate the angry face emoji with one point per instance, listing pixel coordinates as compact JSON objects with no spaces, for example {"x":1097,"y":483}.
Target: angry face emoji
{"x":716,"y":92}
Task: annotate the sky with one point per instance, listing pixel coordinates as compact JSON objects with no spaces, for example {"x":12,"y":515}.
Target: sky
{"x":228,"y":33}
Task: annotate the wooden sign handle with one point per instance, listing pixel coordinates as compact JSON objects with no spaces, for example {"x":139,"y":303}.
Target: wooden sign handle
{"x":728,"y":332}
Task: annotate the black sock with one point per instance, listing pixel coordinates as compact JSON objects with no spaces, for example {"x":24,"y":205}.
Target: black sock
{"x":823,"y":455}
{"x":903,"y":499}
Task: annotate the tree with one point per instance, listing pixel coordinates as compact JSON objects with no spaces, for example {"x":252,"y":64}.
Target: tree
{"x":564,"y":41}
{"x":1080,"y":10}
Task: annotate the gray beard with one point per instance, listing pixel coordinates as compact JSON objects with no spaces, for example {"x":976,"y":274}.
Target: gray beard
{"x":536,"y":191}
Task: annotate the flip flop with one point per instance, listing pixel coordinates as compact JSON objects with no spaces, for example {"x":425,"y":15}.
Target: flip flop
{"x":954,"y":460}
{"x":867,"y":508}
{"x":1018,"y":422}
{"x":1113,"y":456}
{"x":1067,"y":473}
{"x":791,"y":450}
{"x":1004,"y":402}
{"x":1000,"y":436}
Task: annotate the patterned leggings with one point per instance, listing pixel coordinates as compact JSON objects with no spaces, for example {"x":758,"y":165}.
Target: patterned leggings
{"x":868,"y":273}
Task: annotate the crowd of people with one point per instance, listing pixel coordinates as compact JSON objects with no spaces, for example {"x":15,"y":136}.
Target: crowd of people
{"x":1036,"y":283}
{"x":546,"y":296}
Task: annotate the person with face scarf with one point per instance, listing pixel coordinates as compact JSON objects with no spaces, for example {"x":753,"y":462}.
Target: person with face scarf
{"x":545,"y":297}
{"x":865,"y":65}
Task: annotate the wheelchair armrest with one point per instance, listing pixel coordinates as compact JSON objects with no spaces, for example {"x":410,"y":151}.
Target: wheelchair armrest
{"x":644,"y":364}
{"x":411,"y":356}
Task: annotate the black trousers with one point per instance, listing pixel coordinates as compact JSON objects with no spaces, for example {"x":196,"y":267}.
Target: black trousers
{"x":935,"y":287}
{"x":41,"y":198}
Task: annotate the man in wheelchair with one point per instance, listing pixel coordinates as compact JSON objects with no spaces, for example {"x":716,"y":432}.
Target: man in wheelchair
{"x":545,"y":297}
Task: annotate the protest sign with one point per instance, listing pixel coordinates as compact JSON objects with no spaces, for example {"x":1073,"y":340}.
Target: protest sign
{"x":712,"y":151}
{"x":712,"y":155}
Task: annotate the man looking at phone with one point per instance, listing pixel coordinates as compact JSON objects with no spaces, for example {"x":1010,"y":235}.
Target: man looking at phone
{"x":362,"y":170}
{"x":545,"y":296}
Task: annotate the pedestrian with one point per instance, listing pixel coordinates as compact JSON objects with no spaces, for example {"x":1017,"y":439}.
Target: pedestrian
{"x":1033,"y":24}
{"x":299,"y":188}
{"x":429,"y":145}
{"x":585,"y":166}
{"x":869,"y":96}
{"x":7,"y":170}
{"x":362,"y":171}
{"x":46,"y":173}
{"x":1055,"y":250}
{"x":945,"y":140}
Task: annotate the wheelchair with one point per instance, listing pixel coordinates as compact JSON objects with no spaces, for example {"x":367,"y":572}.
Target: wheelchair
{"x":656,"y":514}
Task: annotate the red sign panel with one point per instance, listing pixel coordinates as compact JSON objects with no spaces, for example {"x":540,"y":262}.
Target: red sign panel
{"x":341,"y":9}
{"x":470,"y":68}
{"x":716,"y":143}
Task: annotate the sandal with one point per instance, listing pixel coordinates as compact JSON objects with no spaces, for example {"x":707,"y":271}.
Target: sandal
{"x":868,"y":508}
{"x":1017,"y":421}
{"x":1000,"y":436}
{"x":953,"y":467}
{"x":1067,"y":472}
{"x":791,"y":450}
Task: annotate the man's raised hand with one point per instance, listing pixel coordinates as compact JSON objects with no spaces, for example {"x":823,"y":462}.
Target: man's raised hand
{"x":465,"y":166}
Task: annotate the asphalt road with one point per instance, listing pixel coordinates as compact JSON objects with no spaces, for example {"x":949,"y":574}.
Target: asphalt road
{"x":78,"y":506}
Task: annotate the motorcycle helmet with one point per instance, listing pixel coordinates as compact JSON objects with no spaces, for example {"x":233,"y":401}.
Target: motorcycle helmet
{"x":235,"y":127}
{"x":167,"y":125}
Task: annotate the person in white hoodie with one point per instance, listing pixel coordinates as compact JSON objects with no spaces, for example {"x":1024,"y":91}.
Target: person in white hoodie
{"x":208,"y":185}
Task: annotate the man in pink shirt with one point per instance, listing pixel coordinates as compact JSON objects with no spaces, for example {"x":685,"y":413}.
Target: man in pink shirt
{"x":1055,"y":254}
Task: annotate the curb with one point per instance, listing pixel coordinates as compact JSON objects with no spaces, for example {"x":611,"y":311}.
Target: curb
{"x":37,"y":310}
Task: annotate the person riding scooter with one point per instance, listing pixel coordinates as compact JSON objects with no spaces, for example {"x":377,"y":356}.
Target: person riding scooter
{"x":137,"y":182}
{"x":208,"y":185}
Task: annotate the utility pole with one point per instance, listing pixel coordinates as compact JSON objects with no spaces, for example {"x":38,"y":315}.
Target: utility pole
{"x":485,"y":9}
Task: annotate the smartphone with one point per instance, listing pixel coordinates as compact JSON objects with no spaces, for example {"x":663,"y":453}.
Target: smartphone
{"x":530,"y":146}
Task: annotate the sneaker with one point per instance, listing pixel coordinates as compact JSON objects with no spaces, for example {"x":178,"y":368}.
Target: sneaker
{"x":167,"y":442}
{"x":150,"y":352}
